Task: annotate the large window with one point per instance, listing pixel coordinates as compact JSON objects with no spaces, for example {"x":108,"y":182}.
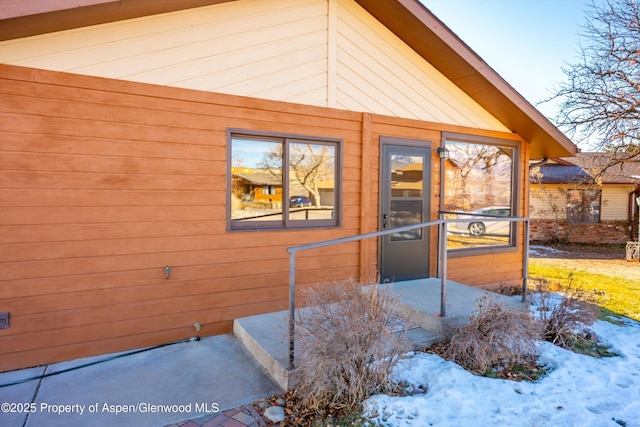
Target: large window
{"x":283,"y":181}
{"x":583,"y":205}
{"x":479,"y":188}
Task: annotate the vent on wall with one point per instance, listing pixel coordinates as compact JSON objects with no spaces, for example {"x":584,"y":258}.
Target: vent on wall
{"x":4,"y":320}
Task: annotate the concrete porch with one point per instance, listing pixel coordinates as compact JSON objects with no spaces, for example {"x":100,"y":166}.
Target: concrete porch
{"x":266,"y":335}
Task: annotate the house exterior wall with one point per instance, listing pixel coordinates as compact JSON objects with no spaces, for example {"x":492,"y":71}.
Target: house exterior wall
{"x":607,"y":232}
{"x":615,"y":202}
{"x":549,"y":215}
{"x":328,"y":53}
{"x":548,"y":199}
{"x":106,"y":182}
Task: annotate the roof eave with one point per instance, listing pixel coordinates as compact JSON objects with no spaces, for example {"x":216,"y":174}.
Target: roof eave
{"x":32,"y":17}
{"x":435,"y":42}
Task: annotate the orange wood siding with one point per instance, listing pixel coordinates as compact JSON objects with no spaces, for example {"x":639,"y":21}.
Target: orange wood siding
{"x":104,"y":183}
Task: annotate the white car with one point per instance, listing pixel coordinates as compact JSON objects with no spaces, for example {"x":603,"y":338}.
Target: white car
{"x":477,"y":226}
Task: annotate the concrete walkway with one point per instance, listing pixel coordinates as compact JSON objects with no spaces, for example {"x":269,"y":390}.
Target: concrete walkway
{"x":207,"y":382}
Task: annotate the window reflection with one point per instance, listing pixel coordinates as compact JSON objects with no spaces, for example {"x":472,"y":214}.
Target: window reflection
{"x":406,"y":212}
{"x":478,"y":185}
{"x":311,"y":181}
{"x":407,"y":174}
{"x":583,"y":205}
{"x":256,"y":180}
{"x":278,"y":182}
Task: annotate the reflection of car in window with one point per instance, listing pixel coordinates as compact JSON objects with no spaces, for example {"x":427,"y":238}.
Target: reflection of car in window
{"x":299,"y":201}
{"x":475,"y":225}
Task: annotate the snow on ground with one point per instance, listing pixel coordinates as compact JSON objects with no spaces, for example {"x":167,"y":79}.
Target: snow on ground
{"x":543,"y":251}
{"x":579,"y":391}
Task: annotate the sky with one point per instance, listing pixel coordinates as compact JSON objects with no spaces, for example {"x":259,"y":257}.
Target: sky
{"x":527,"y":42}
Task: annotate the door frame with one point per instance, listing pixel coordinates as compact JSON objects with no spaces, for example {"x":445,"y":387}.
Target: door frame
{"x":426,"y":144}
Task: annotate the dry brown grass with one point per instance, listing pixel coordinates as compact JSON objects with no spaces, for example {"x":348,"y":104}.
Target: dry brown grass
{"x":564,"y":317}
{"x":494,"y":334}
{"x":348,"y":355}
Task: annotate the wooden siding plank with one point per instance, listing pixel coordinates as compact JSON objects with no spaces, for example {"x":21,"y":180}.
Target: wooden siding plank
{"x":218,"y":303}
{"x":153,"y":288}
{"x":149,"y":245}
{"x":164,"y":165}
{"x":167,"y":332}
{"x":182,"y":49}
{"x":122,"y":148}
{"x":82,"y":198}
{"x":108,"y":181}
{"x":404,"y":84}
{"x":110,"y":91}
{"x":201,"y":278}
{"x":16,"y":360}
{"x":614,"y":204}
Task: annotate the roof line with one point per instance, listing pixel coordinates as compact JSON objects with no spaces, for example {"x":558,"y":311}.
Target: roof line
{"x":440,"y":46}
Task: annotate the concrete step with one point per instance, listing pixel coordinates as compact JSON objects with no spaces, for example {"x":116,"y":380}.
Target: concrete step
{"x":266,"y":338}
{"x":420,"y":301}
{"x":266,"y":335}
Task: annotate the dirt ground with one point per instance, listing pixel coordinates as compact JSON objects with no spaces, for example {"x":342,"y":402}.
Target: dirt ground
{"x":606,"y":260}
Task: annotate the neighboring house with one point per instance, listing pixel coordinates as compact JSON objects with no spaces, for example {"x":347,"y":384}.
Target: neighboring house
{"x":126,"y":126}
{"x":571,"y":199}
{"x":249,"y":186}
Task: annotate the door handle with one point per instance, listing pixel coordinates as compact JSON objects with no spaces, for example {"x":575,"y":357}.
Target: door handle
{"x":385,"y":217}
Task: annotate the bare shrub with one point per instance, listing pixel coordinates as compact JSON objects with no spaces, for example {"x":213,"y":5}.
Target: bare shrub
{"x":509,"y":290}
{"x":494,"y":334}
{"x":537,"y":284}
{"x":347,"y":353}
{"x":565,"y":316}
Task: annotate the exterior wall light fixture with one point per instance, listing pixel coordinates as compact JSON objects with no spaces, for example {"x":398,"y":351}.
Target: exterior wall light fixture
{"x":443,"y":153}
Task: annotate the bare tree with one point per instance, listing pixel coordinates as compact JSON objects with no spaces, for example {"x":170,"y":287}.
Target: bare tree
{"x":475,"y":164}
{"x":600,"y":101}
{"x":309,"y":166}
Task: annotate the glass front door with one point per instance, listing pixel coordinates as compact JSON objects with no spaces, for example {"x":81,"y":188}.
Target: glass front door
{"x":404,"y":201}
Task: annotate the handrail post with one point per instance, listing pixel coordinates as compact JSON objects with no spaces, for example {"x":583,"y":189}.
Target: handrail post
{"x":443,"y":268}
{"x":292,"y":307}
{"x":525,"y":259}
{"x":440,"y":237}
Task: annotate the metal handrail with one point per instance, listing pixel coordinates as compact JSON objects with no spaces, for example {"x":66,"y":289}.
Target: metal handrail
{"x":442,"y":262}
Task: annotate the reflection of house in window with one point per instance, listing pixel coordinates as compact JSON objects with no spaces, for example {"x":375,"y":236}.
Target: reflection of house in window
{"x":327,"y":190}
{"x":258,"y":186}
{"x":406,"y":181}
